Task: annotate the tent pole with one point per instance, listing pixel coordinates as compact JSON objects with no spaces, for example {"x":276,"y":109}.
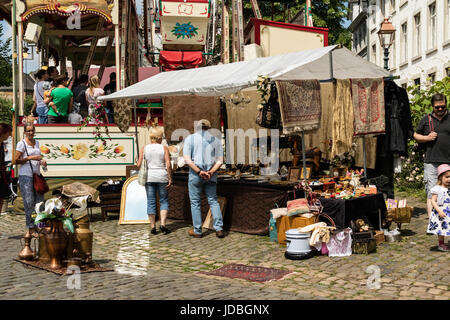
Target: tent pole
{"x":304,"y":156}
{"x":135,"y":125}
{"x":364,"y":156}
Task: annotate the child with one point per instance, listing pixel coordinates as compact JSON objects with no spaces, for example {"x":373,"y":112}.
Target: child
{"x":440,"y":199}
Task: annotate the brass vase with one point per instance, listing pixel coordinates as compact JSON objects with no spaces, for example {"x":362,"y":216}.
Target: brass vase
{"x":55,"y":243}
{"x":27,"y":253}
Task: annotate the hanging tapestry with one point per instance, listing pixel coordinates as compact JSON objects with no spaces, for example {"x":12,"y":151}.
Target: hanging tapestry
{"x":300,"y":105}
{"x":180,"y":112}
{"x":368,"y":104}
{"x":122,"y":114}
{"x":342,"y":132}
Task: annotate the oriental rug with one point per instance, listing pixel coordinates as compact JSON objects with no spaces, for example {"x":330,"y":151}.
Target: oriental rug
{"x":250,"y":273}
{"x":368,"y":104}
{"x":180,"y":112}
{"x":93,"y":267}
{"x":300,"y":105}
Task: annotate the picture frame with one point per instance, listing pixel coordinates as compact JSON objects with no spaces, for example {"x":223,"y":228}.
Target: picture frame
{"x":308,"y":172}
{"x":133,"y":204}
{"x":294,"y":174}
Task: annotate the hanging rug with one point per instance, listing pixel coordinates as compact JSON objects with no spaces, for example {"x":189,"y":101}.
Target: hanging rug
{"x":93,"y":267}
{"x":250,"y":273}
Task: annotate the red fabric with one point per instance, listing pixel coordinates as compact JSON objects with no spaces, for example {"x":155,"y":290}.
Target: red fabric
{"x":174,"y":60}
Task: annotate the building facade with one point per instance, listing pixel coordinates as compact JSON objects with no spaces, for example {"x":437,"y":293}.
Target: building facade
{"x":420,"y":53}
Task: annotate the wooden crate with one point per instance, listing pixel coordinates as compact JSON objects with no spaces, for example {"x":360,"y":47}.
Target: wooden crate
{"x":364,"y":246}
{"x":400,"y":215}
{"x":285,"y":223}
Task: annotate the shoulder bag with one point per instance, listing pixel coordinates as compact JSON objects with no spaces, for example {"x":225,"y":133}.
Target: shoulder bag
{"x":142,"y":176}
{"x":39,"y":183}
{"x":5,"y":177}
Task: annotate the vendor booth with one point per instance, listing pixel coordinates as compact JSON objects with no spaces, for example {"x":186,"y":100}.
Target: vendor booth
{"x":327,"y":79}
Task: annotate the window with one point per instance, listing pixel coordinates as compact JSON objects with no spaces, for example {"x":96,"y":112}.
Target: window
{"x":432,"y":78}
{"x":417,"y":42}
{"x":392,"y":56}
{"x":417,"y":82}
{"x":391,"y":6}
{"x":447,"y":72}
{"x":404,"y":85}
{"x":447,"y":19}
{"x":432,"y":26}
{"x":374,"y":54}
{"x":404,"y":43}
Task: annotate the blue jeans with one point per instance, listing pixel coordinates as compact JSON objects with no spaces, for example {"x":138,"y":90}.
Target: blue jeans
{"x":43,"y":114}
{"x":196,"y":186}
{"x":30,"y":197}
{"x":151,"y":188}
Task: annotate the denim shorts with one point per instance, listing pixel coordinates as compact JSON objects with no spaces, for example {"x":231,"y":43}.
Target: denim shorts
{"x":151,"y":188}
{"x":430,"y":176}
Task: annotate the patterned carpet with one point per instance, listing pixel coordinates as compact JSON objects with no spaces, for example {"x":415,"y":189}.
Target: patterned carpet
{"x":250,"y":273}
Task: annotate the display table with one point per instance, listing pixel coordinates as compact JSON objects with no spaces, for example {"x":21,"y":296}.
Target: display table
{"x":343,"y":211}
{"x":248,"y":203}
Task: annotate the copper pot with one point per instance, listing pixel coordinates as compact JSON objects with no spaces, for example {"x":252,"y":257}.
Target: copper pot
{"x":83,"y":239}
{"x":56,"y":243}
{"x":26,"y":253}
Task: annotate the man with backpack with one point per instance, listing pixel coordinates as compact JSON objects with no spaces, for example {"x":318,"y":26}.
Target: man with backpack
{"x":434,"y":132}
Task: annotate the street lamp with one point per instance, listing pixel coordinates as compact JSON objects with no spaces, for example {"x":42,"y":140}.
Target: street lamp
{"x":386,"y":35}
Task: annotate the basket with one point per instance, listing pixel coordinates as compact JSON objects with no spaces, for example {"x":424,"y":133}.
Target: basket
{"x":400,"y":215}
{"x":379,"y":237}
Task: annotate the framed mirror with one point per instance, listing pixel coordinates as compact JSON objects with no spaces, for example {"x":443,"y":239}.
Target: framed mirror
{"x":133,"y":204}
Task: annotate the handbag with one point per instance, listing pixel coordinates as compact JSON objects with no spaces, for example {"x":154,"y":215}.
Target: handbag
{"x":39,"y":183}
{"x":142,"y":176}
{"x":269,"y":116}
{"x":5,"y":176}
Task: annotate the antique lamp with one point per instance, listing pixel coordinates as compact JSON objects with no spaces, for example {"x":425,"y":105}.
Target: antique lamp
{"x":386,"y":35}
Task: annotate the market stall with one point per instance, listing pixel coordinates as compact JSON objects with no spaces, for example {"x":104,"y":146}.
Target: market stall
{"x":325,"y":65}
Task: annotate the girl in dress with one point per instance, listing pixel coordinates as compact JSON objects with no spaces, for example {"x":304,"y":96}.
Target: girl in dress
{"x":440,"y":216}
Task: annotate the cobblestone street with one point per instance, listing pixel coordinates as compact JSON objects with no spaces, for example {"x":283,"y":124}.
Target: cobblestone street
{"x":166,"y":266}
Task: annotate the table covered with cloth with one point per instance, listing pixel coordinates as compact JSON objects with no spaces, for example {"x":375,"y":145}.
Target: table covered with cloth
{"x":343,"y":211}
{"x":248,"y":203}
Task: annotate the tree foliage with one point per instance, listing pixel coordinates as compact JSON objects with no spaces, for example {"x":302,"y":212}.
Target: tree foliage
{"x":329,"y":14}
{"x":5,"y":61}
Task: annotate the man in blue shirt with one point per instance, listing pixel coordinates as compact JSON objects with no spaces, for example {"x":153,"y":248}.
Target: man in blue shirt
{"x":203,"y":153}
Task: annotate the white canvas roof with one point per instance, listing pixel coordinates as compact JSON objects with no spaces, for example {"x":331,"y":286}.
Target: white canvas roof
{"x":224,"y":79}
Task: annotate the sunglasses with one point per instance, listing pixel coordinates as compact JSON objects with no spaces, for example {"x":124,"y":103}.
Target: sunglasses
{"x":30,"y":131}
{"x":440,"y":107}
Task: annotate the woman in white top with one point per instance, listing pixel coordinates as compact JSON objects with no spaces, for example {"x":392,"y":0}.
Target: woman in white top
{"x":28,"y":155}
{"x":159,"y":177}
{"x":92,"y":93}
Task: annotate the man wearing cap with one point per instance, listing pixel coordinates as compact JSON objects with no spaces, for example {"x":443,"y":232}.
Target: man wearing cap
{"x":203,"y":153}
{"x":434,"y":131}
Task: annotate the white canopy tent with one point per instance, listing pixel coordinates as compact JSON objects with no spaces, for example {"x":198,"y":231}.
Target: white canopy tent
{"x":317,"y":64}
{"x":219,"y":80}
